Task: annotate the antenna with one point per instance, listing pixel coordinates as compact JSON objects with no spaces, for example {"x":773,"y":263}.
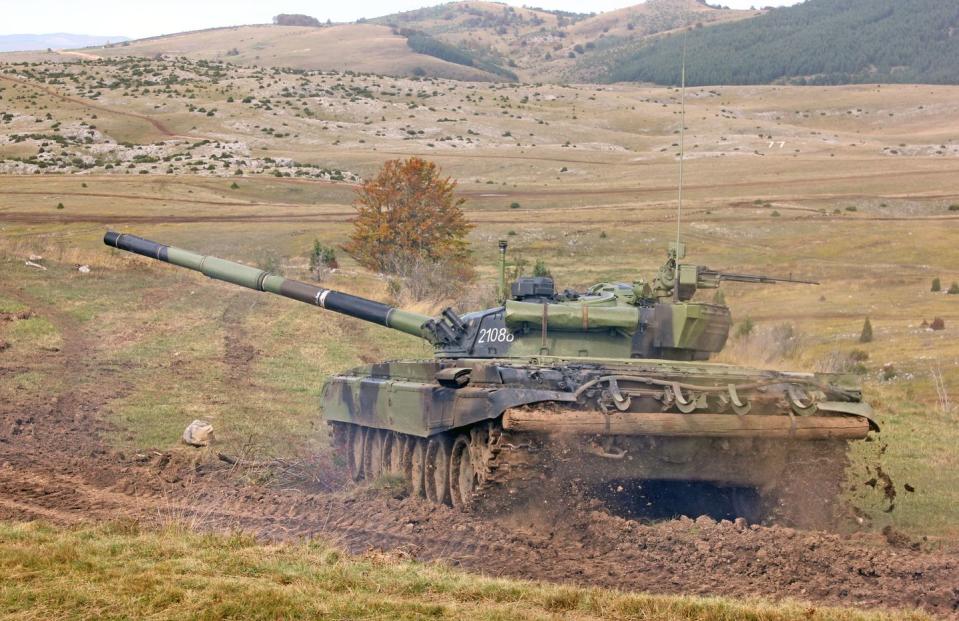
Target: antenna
{"x":682,"y":154}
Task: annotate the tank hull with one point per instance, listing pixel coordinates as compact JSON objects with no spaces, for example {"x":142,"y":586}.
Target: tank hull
{"x":478,"y":432}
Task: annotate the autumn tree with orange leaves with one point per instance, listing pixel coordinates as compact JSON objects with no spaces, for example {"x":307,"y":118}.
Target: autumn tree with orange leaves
{"x":407,"y":214}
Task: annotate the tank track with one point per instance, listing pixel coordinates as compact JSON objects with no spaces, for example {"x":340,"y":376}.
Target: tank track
{"x":520,"y":471}
{"x":508,"y":469}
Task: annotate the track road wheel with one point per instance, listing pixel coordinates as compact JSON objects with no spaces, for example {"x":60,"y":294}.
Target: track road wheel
{"x":417,"y":467}
{"x":374,"y":454}
{"x":437,"y":474}
{"x":393,"y":453}
{"x":354,"y":449}
{"x":463,"y":479}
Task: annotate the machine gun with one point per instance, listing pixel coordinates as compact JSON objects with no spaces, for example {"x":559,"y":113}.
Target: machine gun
{"x":693,"y":277}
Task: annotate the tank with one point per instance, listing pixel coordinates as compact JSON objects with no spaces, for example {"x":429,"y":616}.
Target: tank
{"x":594,"y":390}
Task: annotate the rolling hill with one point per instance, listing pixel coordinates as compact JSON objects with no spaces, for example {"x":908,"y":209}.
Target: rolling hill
{"x":369,"y":48}
{"x":555,"y":46}
{"x":816,"y":42}
{"x":472,"y":40}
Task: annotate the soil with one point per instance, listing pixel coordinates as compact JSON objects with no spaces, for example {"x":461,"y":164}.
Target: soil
{"x":56,"y":466}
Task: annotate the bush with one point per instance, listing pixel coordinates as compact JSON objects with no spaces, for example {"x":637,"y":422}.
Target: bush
{"x":936,"y":285}
{"x":953,"y":289}
{"x":270,"y":261}
{"x":322,"y":258}
{"x":415,"y":279}
{"x":938,"y":323}
{"x":858,"y":355}
{"x":745,"y":328}
{"x":514,"y":205}
{"x":866,"y":335}
{"x":60,"y":206}
{"x":954,"y":207}
{"x":540,"y":268}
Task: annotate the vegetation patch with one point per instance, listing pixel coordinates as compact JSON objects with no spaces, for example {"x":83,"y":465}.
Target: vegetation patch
{"x":118,"y":571}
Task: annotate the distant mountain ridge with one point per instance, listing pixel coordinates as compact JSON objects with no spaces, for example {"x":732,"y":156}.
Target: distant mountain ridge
{"x":815,"y":42}
{"x":54,"y":41}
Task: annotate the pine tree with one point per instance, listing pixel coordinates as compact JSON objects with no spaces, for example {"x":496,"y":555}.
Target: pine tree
{"x":866,"y":336}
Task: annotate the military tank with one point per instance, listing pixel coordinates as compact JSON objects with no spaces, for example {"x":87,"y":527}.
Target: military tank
{"x":610,"y":384}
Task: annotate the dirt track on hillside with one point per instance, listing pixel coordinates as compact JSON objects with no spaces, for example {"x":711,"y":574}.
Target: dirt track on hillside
{"x":155,"y":123}
{"x":55,"y":466}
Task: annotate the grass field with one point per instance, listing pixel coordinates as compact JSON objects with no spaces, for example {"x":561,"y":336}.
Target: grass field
{"x":117,"y":572}
{"x":850,"y":186}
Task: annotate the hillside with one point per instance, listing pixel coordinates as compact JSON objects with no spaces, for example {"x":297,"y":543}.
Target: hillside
{"x":472,"y":40}
{"x":368,"y":48}
{"x":816,"y":42}
{"x":554,"y":46}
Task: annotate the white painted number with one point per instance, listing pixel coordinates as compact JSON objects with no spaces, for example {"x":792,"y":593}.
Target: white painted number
{"x":495,"y":335}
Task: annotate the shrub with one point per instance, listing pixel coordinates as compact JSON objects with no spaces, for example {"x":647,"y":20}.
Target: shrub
{"x":858,"y":355}
{"x":514,"y":205}
{"x":954,"y":207}
{"x":270,"y":261}
{"x":322,"y":258}
{"x":745,"y":328}
{"x":60,"y":206}
{"x":936,"y":285}
{"x":937,"y":324}
{"x":234,"y":186}
{"x":540,"y":268}
{"x":866,"y":335}
{"x":953,"y":289}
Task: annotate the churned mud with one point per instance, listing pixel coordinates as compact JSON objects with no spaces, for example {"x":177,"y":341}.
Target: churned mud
{"x":54,"y":466}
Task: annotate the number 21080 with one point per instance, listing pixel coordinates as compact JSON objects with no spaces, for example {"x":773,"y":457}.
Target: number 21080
{"x":495,"y":335}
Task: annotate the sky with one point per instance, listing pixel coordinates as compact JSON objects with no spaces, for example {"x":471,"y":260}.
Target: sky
{"x":144,"y":18}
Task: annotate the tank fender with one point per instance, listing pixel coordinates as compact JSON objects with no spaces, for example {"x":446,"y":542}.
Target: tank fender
{"x":850,"y":407}
{"x":501,"y":399}
{"x":422,"y":408}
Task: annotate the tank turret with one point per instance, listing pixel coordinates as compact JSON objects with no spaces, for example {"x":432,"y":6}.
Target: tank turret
{"x":608,"y":320}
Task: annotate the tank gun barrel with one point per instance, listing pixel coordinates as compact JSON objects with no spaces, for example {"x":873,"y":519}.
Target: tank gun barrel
{"x":254,"y":278}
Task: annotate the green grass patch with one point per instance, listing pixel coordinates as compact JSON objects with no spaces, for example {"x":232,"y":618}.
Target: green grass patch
{"x":36,"y":333}
{"x":120,"y":572}
{"x":9,"y":305}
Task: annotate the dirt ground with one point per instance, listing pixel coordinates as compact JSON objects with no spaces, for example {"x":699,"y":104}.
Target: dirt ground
{"x":56,"y":465}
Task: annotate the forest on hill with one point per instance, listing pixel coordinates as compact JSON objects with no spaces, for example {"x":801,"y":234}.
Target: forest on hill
{"x":816,"y":42}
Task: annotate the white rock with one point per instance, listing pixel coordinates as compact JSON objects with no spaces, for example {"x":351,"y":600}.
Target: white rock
{"x":83,"y":269}
{"x":36,"y":265}
{"x":198,"y":433}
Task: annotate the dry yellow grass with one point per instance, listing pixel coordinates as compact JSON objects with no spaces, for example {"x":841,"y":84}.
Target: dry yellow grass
{"x":117,"y":572}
